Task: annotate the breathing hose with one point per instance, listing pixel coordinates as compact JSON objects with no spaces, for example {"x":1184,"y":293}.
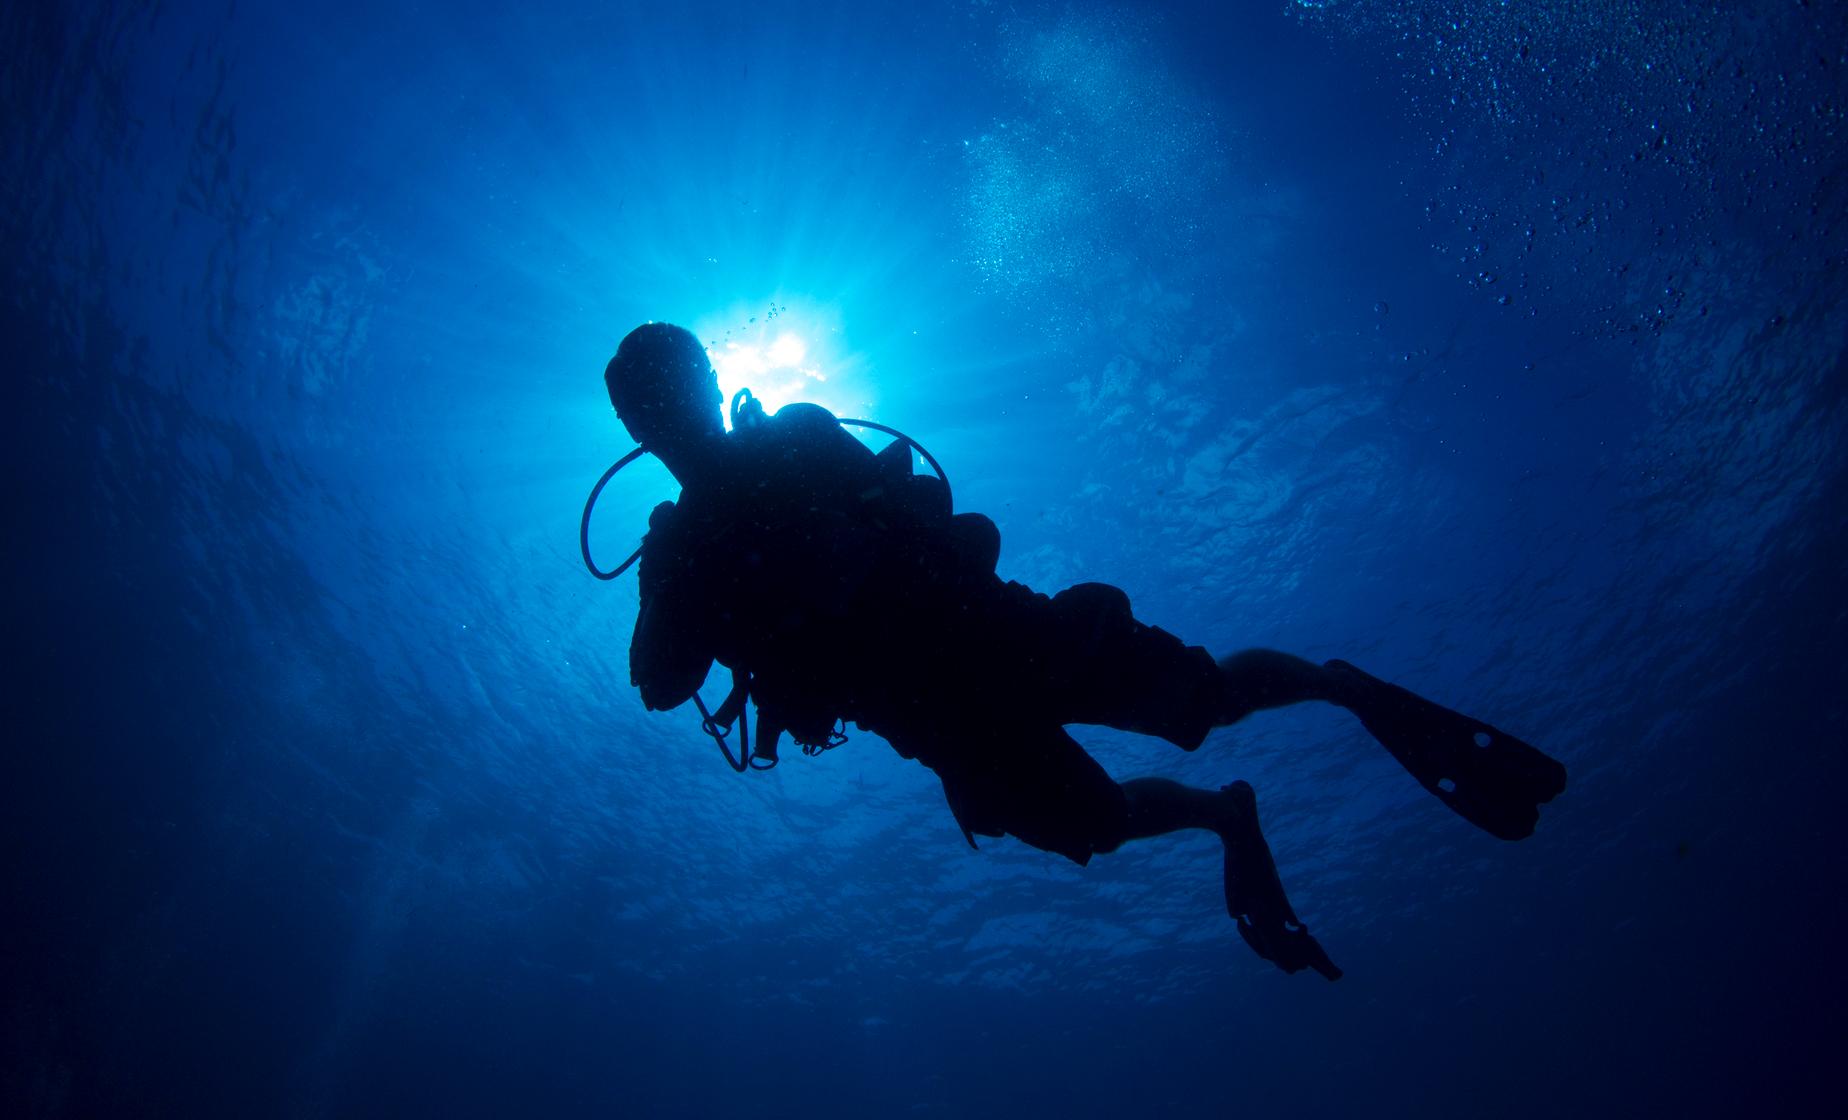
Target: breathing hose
{"x":590,"y":504}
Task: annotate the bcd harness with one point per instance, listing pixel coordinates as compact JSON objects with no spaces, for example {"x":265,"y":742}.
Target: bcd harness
{"x":746,"y":412}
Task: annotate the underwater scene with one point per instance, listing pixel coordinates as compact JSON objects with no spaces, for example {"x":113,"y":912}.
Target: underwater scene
{"x":1486,"y":359}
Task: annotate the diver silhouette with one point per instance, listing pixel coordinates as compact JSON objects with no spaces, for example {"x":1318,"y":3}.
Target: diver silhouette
{"x":839,"y":586}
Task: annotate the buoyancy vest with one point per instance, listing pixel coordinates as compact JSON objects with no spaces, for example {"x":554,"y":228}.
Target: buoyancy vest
{"x":796,"y":569}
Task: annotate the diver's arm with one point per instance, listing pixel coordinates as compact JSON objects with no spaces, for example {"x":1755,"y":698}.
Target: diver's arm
{"x":672,"y":650}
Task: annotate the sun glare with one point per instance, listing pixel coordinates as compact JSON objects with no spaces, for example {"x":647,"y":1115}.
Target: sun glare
{"x":787,"y":350}
{"x":780,"y":363}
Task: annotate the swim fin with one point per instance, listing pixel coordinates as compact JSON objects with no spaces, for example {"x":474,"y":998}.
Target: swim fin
{"x":1488,"y":777}
{"x":1255,"y":898}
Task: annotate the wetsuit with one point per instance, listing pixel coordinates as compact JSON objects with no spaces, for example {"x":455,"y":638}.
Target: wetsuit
{"x":842,"y":583}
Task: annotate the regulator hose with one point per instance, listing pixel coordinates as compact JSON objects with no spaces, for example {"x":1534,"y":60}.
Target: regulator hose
{"x":590,"y":503}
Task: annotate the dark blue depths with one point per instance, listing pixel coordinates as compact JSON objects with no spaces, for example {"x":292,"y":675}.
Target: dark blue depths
{"x":1497,"y":348}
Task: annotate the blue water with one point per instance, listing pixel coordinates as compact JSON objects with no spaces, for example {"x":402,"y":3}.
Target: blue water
{"x":1495,"y":347}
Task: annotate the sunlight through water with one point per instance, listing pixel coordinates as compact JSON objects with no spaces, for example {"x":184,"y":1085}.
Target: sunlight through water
{"x":783,"y":356}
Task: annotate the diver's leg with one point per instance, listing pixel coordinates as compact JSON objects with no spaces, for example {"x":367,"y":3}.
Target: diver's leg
{"x":1254,"y":893}
{"x":1490,"y":778}
{"x":1257,"y":679}
{"x":1158,"y":806}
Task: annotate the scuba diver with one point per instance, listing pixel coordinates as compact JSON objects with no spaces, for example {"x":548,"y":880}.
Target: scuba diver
{"x":839,"y":586}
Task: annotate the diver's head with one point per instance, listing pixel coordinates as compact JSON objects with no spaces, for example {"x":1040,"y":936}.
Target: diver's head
{"x":667,"y":395}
